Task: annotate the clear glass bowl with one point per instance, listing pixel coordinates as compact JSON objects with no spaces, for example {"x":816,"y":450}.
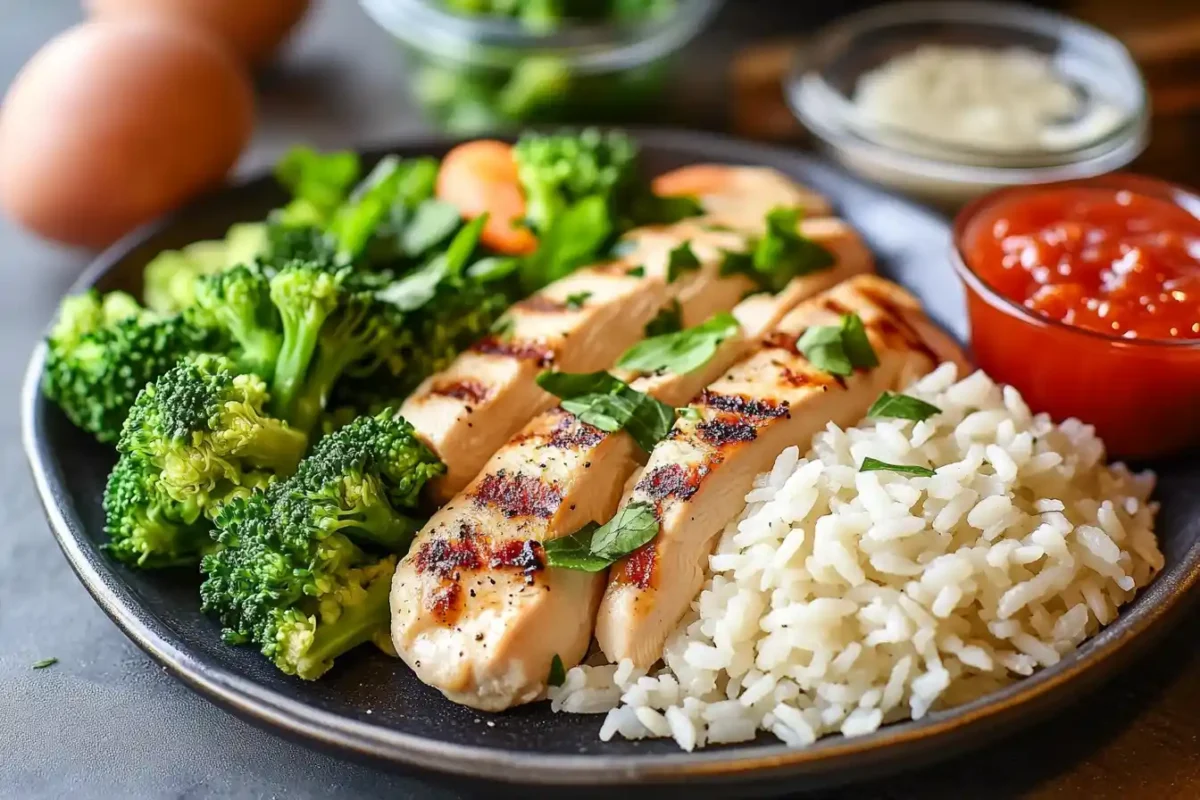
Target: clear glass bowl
{"x":472,"y":74}
{"x":1098,"y":68}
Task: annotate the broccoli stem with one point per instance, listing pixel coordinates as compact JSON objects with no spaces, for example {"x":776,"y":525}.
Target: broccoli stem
{"x":277,"y":448}
{"x":379,"y":523}
{"x":357,"y":624}
{"x":301,"y":332}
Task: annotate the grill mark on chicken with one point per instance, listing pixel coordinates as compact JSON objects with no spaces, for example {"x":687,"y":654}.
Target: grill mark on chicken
{"x":470,"y":390}
{"x":518,"y":495}
{"x":834,"y":306}
{"x":727,"y":429}
{"x":523,"y":555}
{"x":526,"y":351}
{"x":745,"y":406}
{"x":671,"y":480}
{"x":779,"y":340}
{"x":894,"y":324}
{"x":445,"y":602}
{"x":445,"y":557}
{"x":638,"y":567}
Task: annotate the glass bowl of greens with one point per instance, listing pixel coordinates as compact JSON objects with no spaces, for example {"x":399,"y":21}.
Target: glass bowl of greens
{"x":483,"y":64}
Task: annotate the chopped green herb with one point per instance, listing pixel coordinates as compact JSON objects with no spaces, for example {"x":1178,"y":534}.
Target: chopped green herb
{"x":717,"y":228}
{"x":45,"y":662}
{"x":652,"y":209}
{"x":681,"y":260}
{"x":901,"y":406}
{"x":838,"y":349}
{"x":783,"y":253}
{"x":690,"y":413}
{"x":636,"y":272}
{"x":734,"y":262}
{"x":576,"y":301}
{"x":683,"y":351}
{"x":875,"y":465}
{"x":593,"y":547}
{"x":574,"y":238}
{"x":558,"y":673}
{"x":601,"y":400}
{"x":668,"y":320}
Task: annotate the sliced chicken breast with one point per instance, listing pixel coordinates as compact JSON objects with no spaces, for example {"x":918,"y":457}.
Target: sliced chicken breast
{"x":697,"y":478}
{"x":473,"y":611}
{"x":740,"y":196}
{"x":583,"y":323}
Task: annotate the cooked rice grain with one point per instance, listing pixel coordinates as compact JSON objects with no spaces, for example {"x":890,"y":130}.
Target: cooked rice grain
{"x":843,"y":600}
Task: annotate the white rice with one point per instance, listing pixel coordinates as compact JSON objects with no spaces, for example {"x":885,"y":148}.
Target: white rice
{"x":842,"y":600}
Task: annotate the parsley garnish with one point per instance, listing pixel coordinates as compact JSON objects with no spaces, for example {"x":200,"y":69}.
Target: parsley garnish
{"x":594,"y":547}
{"x":419,"y":287}
{"x":576,"y":301}
{"x":783,"y":253}
{"x":45,"y":662}
{"x":681,"y":260}
{"x":901,"y":406}
{"x":683,"y":351}
{"x":557,"y":673}
{"x":668,"y":320}
{"x":609,"y":404}
{"x":838,"y":349}
{"x":875,"y":465}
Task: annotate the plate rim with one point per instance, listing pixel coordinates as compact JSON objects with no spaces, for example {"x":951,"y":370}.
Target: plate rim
{"x":892,"y":748}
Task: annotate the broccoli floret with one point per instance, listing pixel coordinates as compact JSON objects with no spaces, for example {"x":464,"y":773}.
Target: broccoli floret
{"x":304,"y":296}
{"x":169,"y":279}
{"x":204,"y":426}
{"x":239,"y":300}
{"x":102,"y":352}
{"x":558,"y":170}
{"x":145,"y":527}
{"x":287,"y":577}
{"x":362,"y":478}
{"x":194,"y":439}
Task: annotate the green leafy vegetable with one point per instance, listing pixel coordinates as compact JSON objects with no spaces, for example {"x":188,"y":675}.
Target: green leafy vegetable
{"x":901,"y":406}
{"x":594,"y":547}
{"x":418,"y":288}
{"x":576,"y":301}
{"x":875,"y":465}
{"x":609,"y":404}
{"x":50,"y":662}
{"x":838,"y":349}
{"x":690,"y":413}
{"x":318,"y":182}
{"x":558,"y":673}
{"x":431,"y":224}
{"x":783,"y":253}
{"x":573,"y":239}
{"x":636,"y":272}
{"x":681,"y":352}
{"x":668,"y":320}
{"x":681,"y":259}
{"x":492,"y":268}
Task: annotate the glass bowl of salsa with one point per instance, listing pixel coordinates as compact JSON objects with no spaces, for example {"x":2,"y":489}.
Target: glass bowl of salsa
{"x":1085,"y":296}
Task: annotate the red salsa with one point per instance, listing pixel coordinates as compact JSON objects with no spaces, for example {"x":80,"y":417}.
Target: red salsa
{"x":1106,"y":259}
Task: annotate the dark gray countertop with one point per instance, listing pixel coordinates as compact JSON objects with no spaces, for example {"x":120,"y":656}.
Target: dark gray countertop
{"x":106,"y":722}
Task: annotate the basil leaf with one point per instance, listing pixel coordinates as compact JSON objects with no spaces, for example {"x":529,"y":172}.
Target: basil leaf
{"x":901,"y":406}
{"x":575,"y":551}
{"x":558,"y":674}
{"x":783,"y":253}
{"x":822,"y":346}
{"x":575,"y":237}
{"x":652,"y":209}
{"x":683,"y":351}
{"x":594,"y":547}
{"x":492,"y":268}
{"x":856,"y":344}
{"x":636,"y":272}
{"x":45,"y":662}
{"x":604,"y":402}
{"x":668,"y":320}
{"x":681,"y":260}
{"x":431,"y":223}
{"x":576,"y":301}
{"x":875,"y":465}
{"x":838,"y":349}
{"x":633,"y":526}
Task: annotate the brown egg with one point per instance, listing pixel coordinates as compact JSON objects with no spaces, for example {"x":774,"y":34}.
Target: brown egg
{"x":253,"y":28}
{"x":113,"y":123}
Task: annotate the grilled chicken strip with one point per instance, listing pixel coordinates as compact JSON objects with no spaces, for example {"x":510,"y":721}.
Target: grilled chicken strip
{"x":740,"y":196}
{"x":473,"y":612}
{"x":581,"y":323}
{"x":696,"y":479}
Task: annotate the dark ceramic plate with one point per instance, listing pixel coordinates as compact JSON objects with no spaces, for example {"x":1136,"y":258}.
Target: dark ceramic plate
{"x":372,"y":705}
